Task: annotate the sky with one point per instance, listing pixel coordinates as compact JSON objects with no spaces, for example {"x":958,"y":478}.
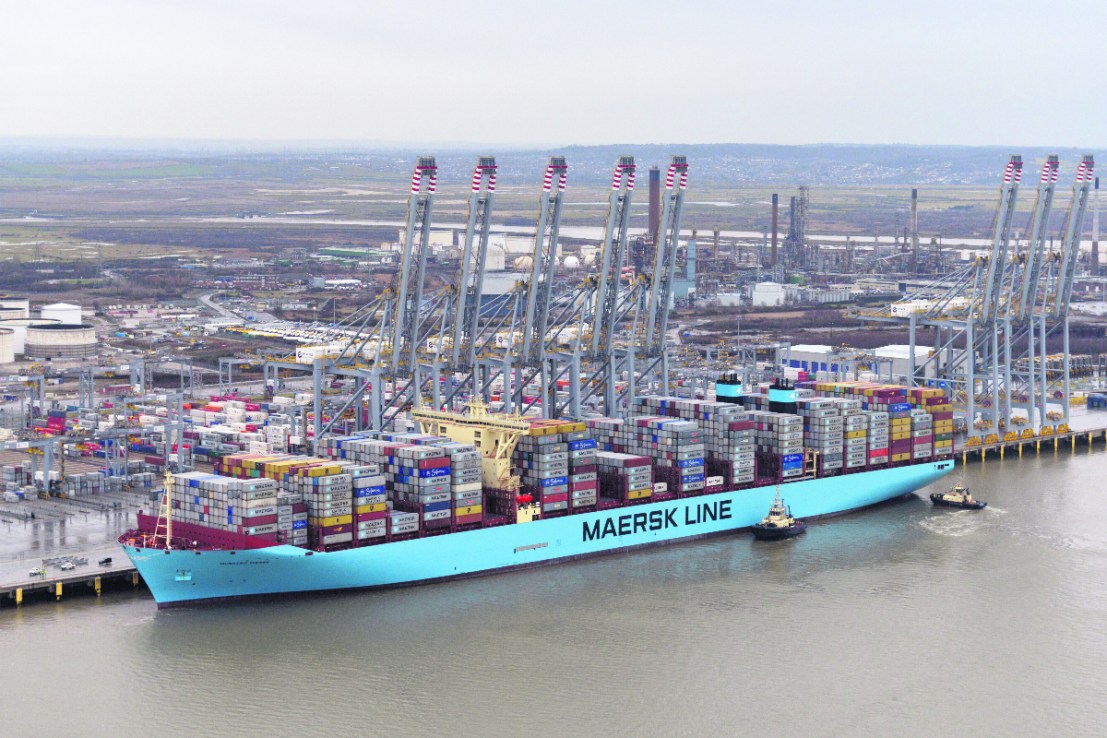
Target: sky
{"x":523,"y":73}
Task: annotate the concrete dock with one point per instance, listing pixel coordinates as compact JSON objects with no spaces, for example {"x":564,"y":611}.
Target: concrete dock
{"x":1085,"y":432}
{"x":18,"y":586}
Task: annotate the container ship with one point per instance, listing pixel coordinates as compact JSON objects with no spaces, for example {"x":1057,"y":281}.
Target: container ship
{"x":476,"y":492}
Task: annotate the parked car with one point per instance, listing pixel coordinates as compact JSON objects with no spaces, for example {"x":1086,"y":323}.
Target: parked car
{"x":106,"y":561}
{"x":68,"y":566}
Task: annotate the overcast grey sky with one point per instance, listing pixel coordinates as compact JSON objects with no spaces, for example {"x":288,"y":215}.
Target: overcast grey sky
{"x":565,"y":72}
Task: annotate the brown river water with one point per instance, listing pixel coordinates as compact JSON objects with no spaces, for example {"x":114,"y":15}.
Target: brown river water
{"x":898,"y":620}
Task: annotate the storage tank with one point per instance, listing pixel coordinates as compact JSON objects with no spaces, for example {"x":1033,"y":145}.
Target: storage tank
{"x":63,"y":312}
{"x":11,"y":313}
{"x":60,"y":341}
{"x":7,"y":345}
{"x":18,"y":327}
{"x":22,"y":304}
{"x":571,"y":262}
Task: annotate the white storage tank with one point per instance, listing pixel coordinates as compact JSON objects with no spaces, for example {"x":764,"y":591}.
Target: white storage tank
{"x":7,"y":345}
{"x":11,"y":313}
{"x":22,"y":304}
{"x":63,"y":312}
{"x":18,"y":327}
{"x":60,"y":341}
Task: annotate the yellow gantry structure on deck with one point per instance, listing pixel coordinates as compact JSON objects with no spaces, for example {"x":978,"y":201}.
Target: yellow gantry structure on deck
{"x":495,"y":435}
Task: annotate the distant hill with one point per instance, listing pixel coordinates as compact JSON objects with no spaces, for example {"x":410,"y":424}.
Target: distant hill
{"x":712,"y":164}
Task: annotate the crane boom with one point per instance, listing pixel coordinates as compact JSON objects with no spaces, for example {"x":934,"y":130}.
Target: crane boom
{"x":611,"y":255}
{"x":1036,"y":243}
{"x":657,"y":307}
{"x":545,"y":256}
{"x":471,"y":280}
{"x":1070,"y":246}
{"x":413,"y":264}
{"x":997,"y":260}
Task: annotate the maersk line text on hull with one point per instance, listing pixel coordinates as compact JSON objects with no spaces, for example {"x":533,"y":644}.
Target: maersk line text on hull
{"x":631,"y":523}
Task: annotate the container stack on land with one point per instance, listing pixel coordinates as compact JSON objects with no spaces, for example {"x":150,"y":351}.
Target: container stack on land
{"x":15,"y":475}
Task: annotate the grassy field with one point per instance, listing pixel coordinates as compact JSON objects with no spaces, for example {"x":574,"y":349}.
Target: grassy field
{"x":145,"y":206}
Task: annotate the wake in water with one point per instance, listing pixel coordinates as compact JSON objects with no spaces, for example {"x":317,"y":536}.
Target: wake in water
{"x":955,"y":524}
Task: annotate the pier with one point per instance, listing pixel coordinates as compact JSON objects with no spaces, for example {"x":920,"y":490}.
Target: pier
{"x":18,"y":586}
{"x":1083,"y":432}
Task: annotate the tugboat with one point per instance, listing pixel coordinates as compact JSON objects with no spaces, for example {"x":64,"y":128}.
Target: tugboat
{"x":958,"y":496}
{"x":779,"y":523}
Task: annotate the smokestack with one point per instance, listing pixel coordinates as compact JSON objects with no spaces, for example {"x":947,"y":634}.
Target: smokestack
{"x":914,"y":230}
{"x":776,"y":224}
{"x":655,"y":203}
{"x":1095,"y":229}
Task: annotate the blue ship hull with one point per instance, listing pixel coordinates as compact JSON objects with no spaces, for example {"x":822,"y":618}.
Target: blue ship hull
{"x":189,"y":577}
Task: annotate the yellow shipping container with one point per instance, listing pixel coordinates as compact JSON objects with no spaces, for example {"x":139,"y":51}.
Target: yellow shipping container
{"x":855,"y":434}
{"x":323,"y":471}
{"x":900,"y":457}
{"x":901,"y":436}
{"x":336,"y":520}
{"x":469,"y":510}
{"x":378,"y":507}
{"x":638,"y":494}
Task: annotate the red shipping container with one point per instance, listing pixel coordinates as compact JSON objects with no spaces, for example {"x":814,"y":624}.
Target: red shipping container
{"x":563,"y":497}
{"x":362,"y":517}
{"x":468,"y":519}
{"x":581,"y":486}
{"x":435,"y":463}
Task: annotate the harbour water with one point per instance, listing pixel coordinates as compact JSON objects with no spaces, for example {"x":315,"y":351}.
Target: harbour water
{"x":899,"y":620}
